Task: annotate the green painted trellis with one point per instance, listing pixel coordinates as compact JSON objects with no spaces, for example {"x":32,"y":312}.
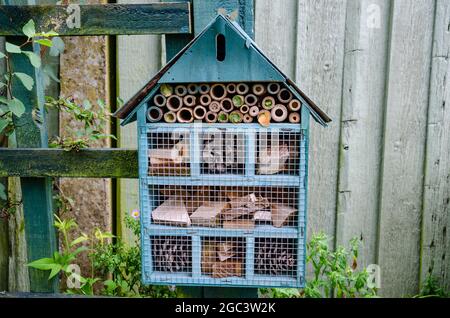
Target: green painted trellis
{"x":177,"y":19}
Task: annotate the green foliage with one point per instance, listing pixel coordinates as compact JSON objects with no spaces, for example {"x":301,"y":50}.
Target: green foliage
{"x":432,"y":289}
{"x":93,"y":122}
{"x":10,"y":105}
{"x":335,"y":273}
{"x":120,"y":263}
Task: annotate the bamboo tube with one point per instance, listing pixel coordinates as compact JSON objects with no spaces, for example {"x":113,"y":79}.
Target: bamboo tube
{"x":205,"y":100}
{"x":279,"y":113}
{"x":264,"y":118}
{"x":214,"y":106}
{"x":244,"y":109}
{"x":231,"y":88}
{"x":174,"y":103}
{"x":284,"y":95}
{"x":184,"y":115}
{"x":222,"y":117}
{"x":199,"y":112}
{"x":235,"y":117}
{"x":242,"y":88}
{"x":268,"y":102}
{"x":189,"y":100}
{"x":294,"y":105}
{"x":180,"y":90}
{"x":204,"y":88}
{"x":251,"y":99}
{"x":294,"y":118}
{"x":258,"y":89}
{"x":253,"y":111}
{"x":247,"y":118}
{"x":273,"y":88}
{"x":170,"y":117}
{"x":166,"y":90}
{"x":218,"y":91}
{"x":226,"y":105}
{"x":154,"y":114}
{"x":192,"y":88}
{"x":159,"y":100}
{"x":211,"y":117}
{"x":238,"y":100}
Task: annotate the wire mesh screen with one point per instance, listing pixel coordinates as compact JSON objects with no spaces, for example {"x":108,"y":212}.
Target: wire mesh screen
{"x":223,"y":203}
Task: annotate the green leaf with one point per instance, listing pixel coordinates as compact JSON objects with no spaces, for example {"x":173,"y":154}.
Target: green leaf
{"x":44,"y":42}
{"x":47,"y":34}
{"x":42,"y":264}
{"x":26,"y":80}
{"x":35,"y":59}
{"x":29,"y":29}
{"x":12,"y":48}
{"x":57,"y":46}
{"x":16,"y":107}
{"x":56,"y":268}
{"x":79,"y":240}
{"x":3,"y":124}
{"x":3,"y":195}
{"x":4,"y":100}
{"x":2,"y":55}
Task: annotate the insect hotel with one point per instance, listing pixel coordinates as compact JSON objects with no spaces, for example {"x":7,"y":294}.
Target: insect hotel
{"x":223,"y":165}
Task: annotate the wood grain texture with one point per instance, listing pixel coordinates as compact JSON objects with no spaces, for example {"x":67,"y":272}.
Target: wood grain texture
{"x":112,"y":19}
{"x":436,"y":200}
{"x":404,"y":146}
{"x":37,"y":192}
{"x":319,"y":73}
{"x":366,"y":46}
{"x":275,"y":32}
{"x":59,"y":163}
{"x":138,"y":60}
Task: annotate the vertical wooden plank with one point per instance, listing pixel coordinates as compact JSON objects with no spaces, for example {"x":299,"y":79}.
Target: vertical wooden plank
{"x":275,"y":32}
{"x":365,"y":60}
{"x":436,"y":208}
{"x":319,"y":72}
{"x":37,"y":192}
{"x":404,"y":146}
{"x":138,"y":59}
{"x":240,"y":11}
{"x":175,"y":42}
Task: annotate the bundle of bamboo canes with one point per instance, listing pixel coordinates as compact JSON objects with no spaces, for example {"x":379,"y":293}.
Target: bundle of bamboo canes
{"x":225,"y":103}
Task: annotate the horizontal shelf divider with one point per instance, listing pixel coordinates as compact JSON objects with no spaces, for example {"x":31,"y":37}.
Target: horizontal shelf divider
{"x":163,"y":278}
{"x":258,"y":231}
{"x":232,"y":127}
{"x":227,"y":180}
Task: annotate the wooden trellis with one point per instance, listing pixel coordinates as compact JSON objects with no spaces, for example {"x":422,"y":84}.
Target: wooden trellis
{"x":37,"y":163}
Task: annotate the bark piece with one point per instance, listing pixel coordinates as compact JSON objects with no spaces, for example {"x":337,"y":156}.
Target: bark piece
{"x":243,"y":224}
{"x":208,"y":214}
{"x":227,"y":269}
{"x":281,"y":214}
{"x":263,"y":216}
{"x":209,"y":256}
{"x":173,"y":211}
{"x":226,"y":250}
{"x":273,"y":160}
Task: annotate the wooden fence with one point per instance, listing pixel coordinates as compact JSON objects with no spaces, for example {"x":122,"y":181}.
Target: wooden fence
{"x":381,"y":170}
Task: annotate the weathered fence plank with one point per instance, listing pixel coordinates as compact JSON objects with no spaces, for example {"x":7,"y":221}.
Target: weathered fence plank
{"x":110,"y":19}
{"x":138,"y":59}
{"x":37,"y":192}
{"x":404,"y":146}
{"x":319,"y":72}
{"x":115,"y":163}
{"x":366,"y":46}
{"x":275,"y":32}
{"x":436,"y":201}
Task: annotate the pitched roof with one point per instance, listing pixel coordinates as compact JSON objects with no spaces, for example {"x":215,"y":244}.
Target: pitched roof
{"x":186,"y":61}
